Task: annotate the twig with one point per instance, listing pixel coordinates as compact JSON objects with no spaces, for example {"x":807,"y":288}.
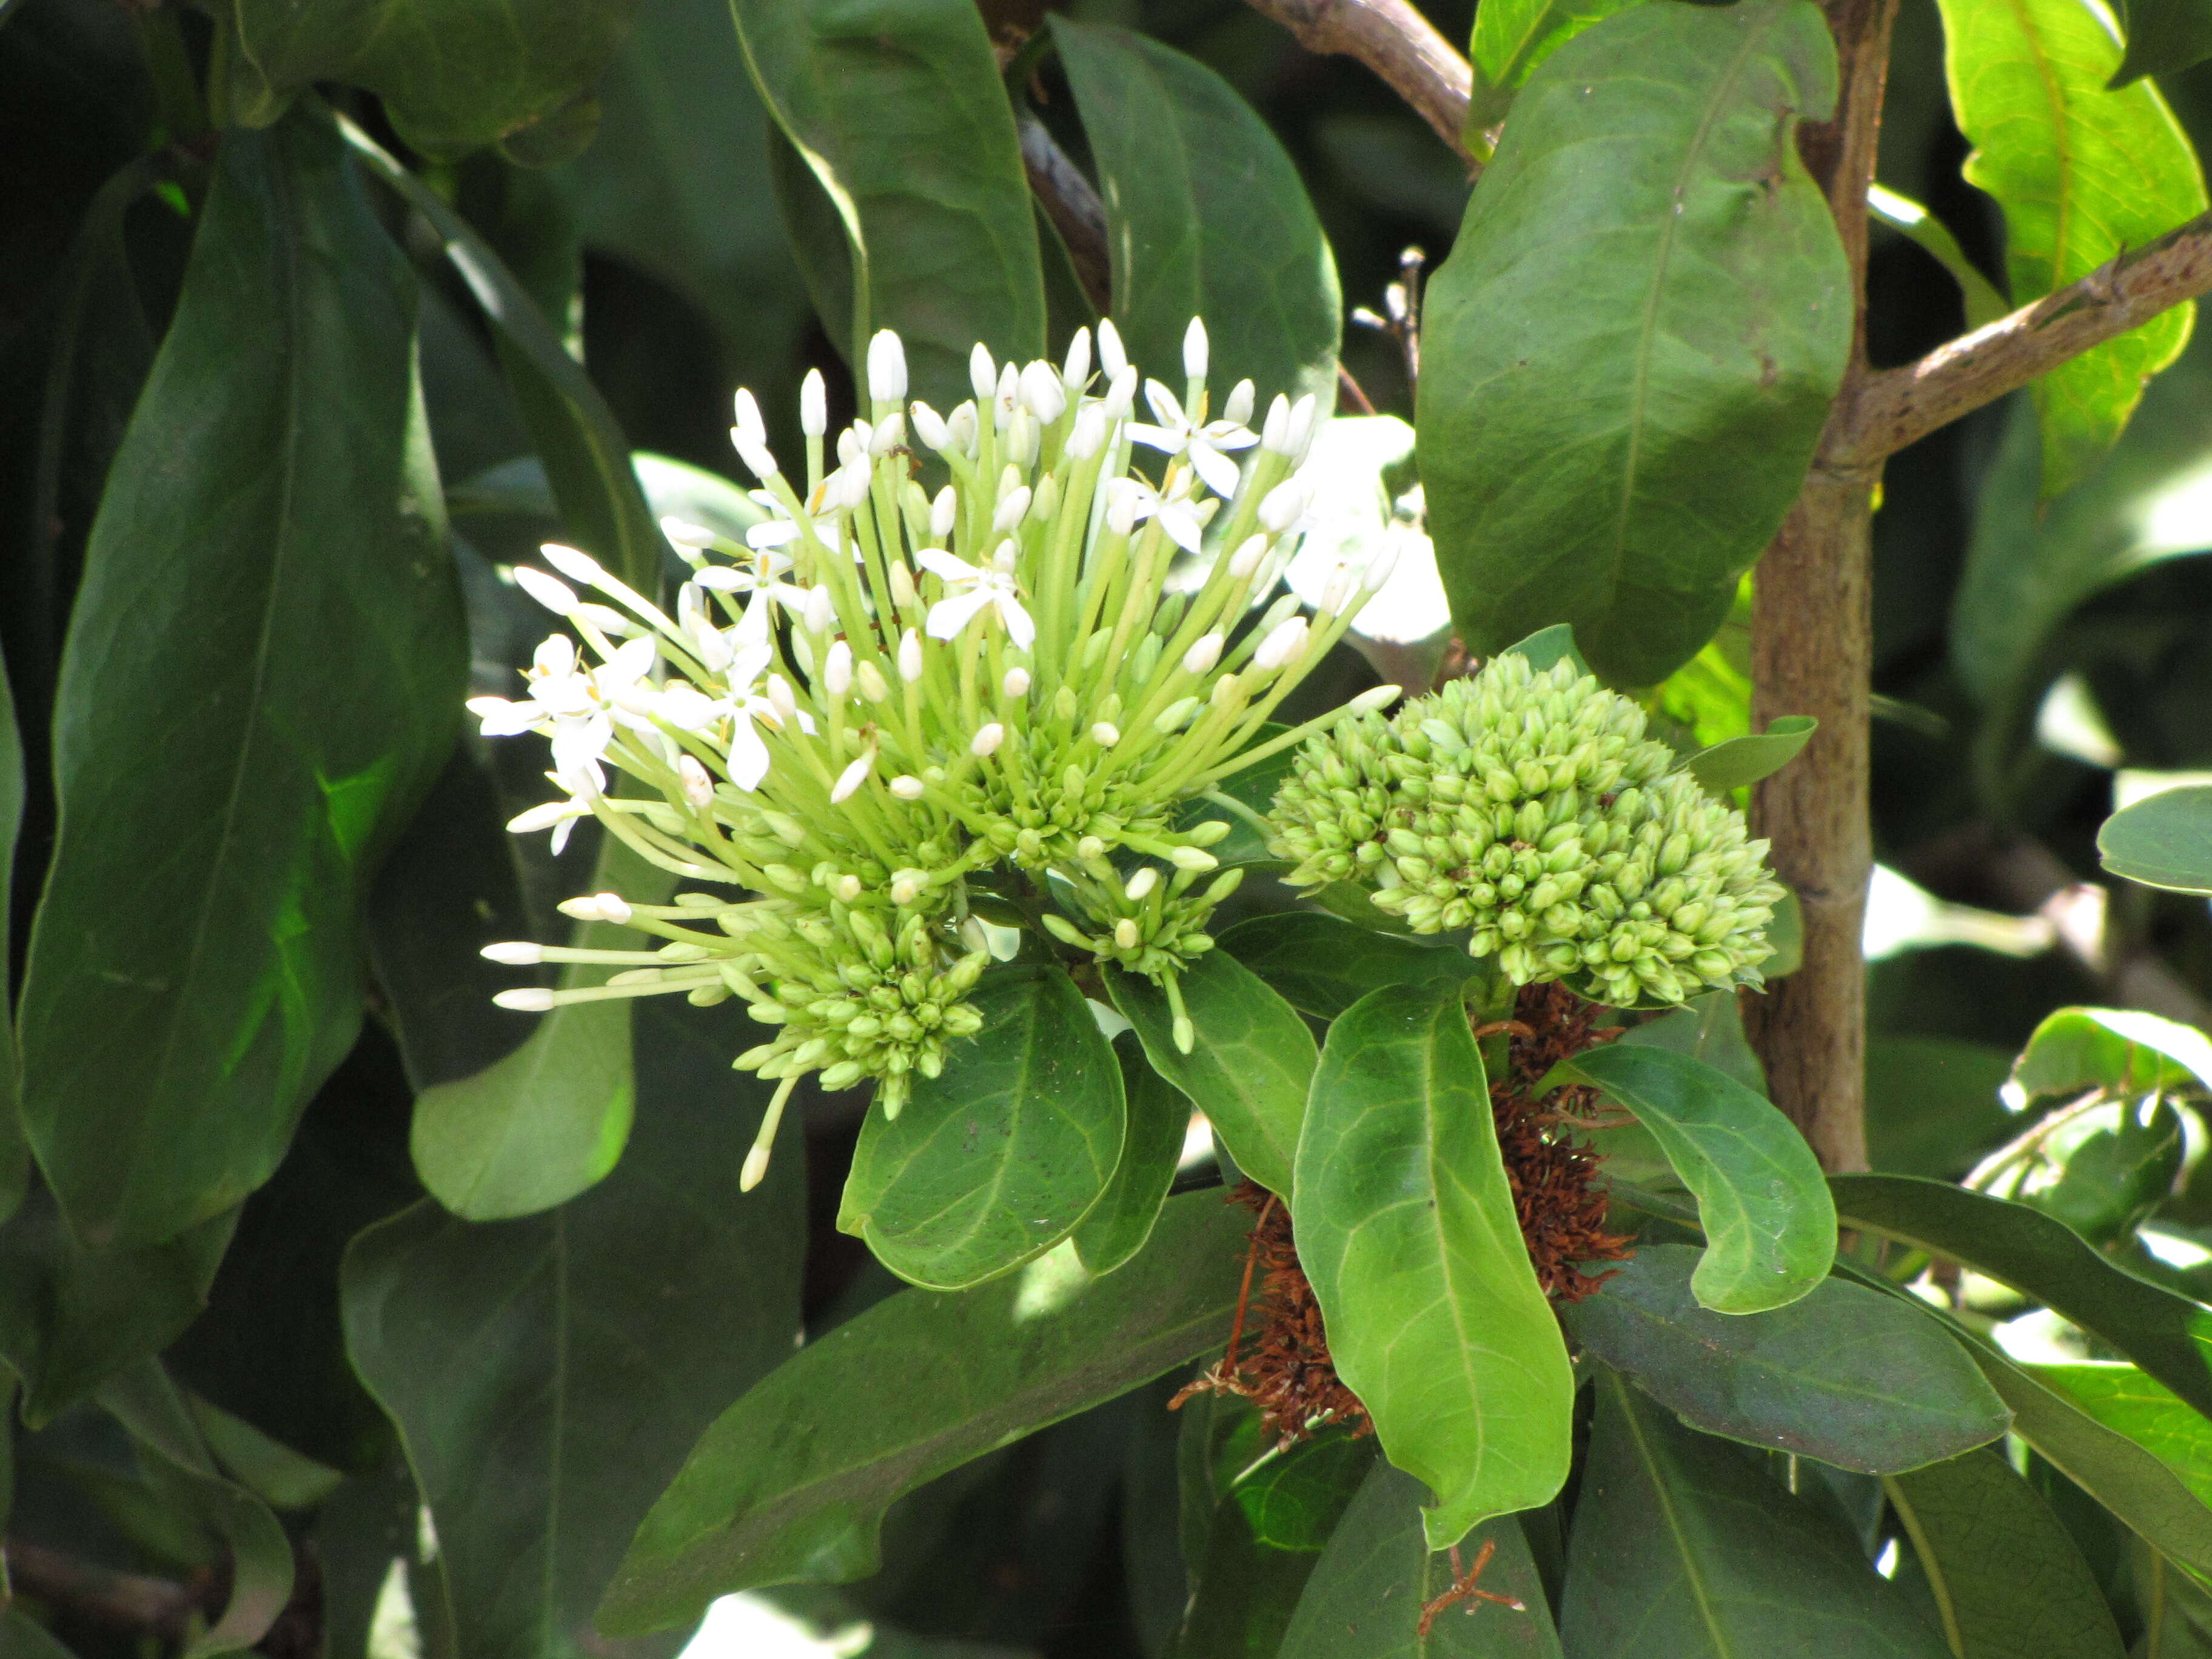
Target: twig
{"x":1897,"y":406}
{"x":117,"y":1601}
{"x":1398,"y":44}
{"x":1072,"y":205}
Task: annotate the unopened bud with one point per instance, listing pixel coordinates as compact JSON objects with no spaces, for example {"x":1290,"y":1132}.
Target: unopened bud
{"x":747,"y":414}
{"x":1283,"y":644}
{"x":1299,"y":438}
{"x":1012,"y":507}
{"x":929,"y":427}
{"x":1016,"y":683}
{"x":904,"y":594}
{"x":813,"y":405}
{"x":520,"y":953}
{"x":1111,"y":357}
{"x":780,"y":700}
{"x":755,"y":454}
{"x":1285,"y":505}
{"x":1088,"y":436}
{"x":821,"y":613}
{"x":982,"y":373}
{"x":526,"y":999}
{"x":1237,"y":408}
{"x":683,"y":533}
{"x":555,"y":596}
{"x":1042,"y":392}
{"x":1201,"y":657}
{"x":1105,"y":734}
{"x":1121,"y":394}
{"x":1276,"y":430}
{"x":850,"y":780}
{"x":1193,"y":351}
{"x":1126,"y":934}
{"x":1194,"y":858}
{"x":1075,"y":372}
{"x":944,"y":513}
{"x":907,"y":786}
{"x":985,"y":742}
{"x":1246,"y":559}
{"x":886,"y":368}
{"x":576,"y":566}
{"x":698,"y":788}
{"x":909,"y":656}
{"x":890,"y":433}
{"x":870,"y":681}
{"x":1142,"y":885}
{"x":837,"y":670}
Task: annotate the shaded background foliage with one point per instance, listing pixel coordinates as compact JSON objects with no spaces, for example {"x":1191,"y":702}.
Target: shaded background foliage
{"x":352,"y":1381}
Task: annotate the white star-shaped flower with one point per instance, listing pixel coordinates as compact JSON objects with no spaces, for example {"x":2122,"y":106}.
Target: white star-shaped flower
{"x":970,"y":591}
{"x":1180,"y":516}
{"x":1206,"y":446}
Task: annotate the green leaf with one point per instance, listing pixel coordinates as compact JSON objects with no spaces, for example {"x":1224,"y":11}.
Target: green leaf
{"x":2165,"y":842}
{"x":454,"y":75}
{"x":1366,"y":1596}
{"x":1405,"y":1225}
{"x":2125,"y":1399}
{"x":1685,"y":1548}
{"x":15,"y":1155}
{"x":896,"y":108}
{"x":174,"y":1457}
{"x":1242,"y":801}
{"x":917,"y":1385}
{"x":1123,"y":1219}
{"x":1983,"y":1536}
{"x":1932,"y":1105}
{"x":1630,"y":352}
{"x":2163,"y":38}
{"x":271,"y":1471}
{"x":1322,"y":964}
{"x":276,"y":489}
{"x":22,"y":1636}
{"x":550,"y":1119}
{"x":1547,"y":646}
{"x":1249,"y":1068}
{"x":585,"y":455}
{"x":1746,"y":760}
{"x":2123,"y":1476}
{"x":2124,"y":1050}
{"x":548,"y":1376}
{"x":2082,"y":174}
{"x":1206,"y":216}
{"x":1845,"y":1375}
{"x":1769,"y":1227}
{"x":2168,"y":1336}
{"x":994,"y":1162}
{"x":1984,"y":304}
{"x":2117,"y":1173}
{"x":1512,"y":37}
{"x":1708,"y":1028}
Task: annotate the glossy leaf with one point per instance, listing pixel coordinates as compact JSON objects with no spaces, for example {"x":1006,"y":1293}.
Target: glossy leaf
{"x":1364,"y":1598}
{"x":1206,"y":216}
{"x":2125,"y":1050}
{"x":920,"y":1383}
{"x":1708,"y":1028}
{"x":2165,"y":842}
{"x":1630,"y":352}
{"x":174,"y":1458}
{"x":897,"y":109}
{"x":1249,"y":1069}
{"x":994,"y":1162}
{"x":1512,"y":37}
{"x":1685,"y":1548}
{"x":1322,"y":964}
{"x":548,"y":1376}
{"x":1158,"y":1117}
{"x":2082,"y":174}
{"x":2168,"y":1336}
{"x":2164,"y":37}
{"x":1845,"y":1375}
{"x":1983,"y":1537}
{"x":1770,"y":1228}
{"x":454,"y":75}
{"x":1405,"y":1225}
{"x":585,"y":455}
{"x":276,"y":491}
{"x":2123,"y":1398}
{"x":1741,"y":761}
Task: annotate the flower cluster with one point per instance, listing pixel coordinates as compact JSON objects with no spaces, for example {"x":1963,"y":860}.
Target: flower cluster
{"x":882,"y":693}
{"x":1528,"y":807}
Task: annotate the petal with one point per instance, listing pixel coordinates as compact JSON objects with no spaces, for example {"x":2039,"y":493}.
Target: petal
{"x":1219,"y":472}
{"x":1227,"y":434}
{"x":775,"y":533}
{"x":947,"y":617}
{"x":938,"y":562}
{"x":1020,"y":627}
{"x":1165,"y":405}
{"x":725,"y":577}
{"x":633,"y":660}
{"x":1183,"y":529}
{"x":748,"y":755}
{"x":1154,"y":437}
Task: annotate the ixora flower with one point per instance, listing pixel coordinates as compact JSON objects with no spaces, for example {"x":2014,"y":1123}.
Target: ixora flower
{"x":883,"y":694}
{"x":1528,"y":807}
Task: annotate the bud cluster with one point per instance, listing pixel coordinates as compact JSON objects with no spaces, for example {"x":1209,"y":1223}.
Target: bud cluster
{"x":881,"y":692}
{"x":1528,"y":807}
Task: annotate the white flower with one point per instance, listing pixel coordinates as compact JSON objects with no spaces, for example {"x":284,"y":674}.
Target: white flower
{"x":1178,"y":434}
{"x":886,"y":368}
{"x":970,"y":591}
{"x":1178,"y":513}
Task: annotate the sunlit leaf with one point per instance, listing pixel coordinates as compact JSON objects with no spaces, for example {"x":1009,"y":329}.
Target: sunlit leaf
{"x":2165,"y":842}
{"x":2124,"y":1398}
{"x":1512,"y":37}
{"x":1322,"y":964}
{"x":1738,"y":761}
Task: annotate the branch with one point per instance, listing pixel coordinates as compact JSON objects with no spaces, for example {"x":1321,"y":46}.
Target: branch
{"x":1899,"y":406}
{"x":1072,"y":205}
{"x":1398,"y":44}
{"x":117,"y":1601}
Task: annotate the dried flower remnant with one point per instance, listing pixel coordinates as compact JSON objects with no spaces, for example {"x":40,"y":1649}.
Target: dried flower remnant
{"x":879,"y":695}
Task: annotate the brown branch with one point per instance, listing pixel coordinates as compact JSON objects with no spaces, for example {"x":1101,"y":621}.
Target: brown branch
{"x":1398,"y":44}
{"x":1071,"y":201}
{"x":116,"y":1600}
{"x":1897,"y":406}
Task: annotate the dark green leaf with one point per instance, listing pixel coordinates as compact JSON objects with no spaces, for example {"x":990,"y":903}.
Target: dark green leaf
{"x":1366,"y":1596}
{"x":994,"y":1162}
{"x":2123,"y":1398}
{"x":1322,"y":964}
{"x":2168,"y":1336}
{"x":1746,"y":760}
{"x":271,"y":1471}
{"x":2117,"y":1173}
{"x":1629,"y":355}
{"x":2164,"y":841}
{"x":549,"y":1375}
{"x":1707,"y":1028}
{"x":2164,"y":37}
{"x":1845,"y":1375}
{"x":1206,"y":216}
{"x":1123,"y":1217}
{"x":917,"y":1385}
{"x":2123,"y":1476}
{"x":1685,"y":1548}
{"x":1512,"y":37}
{"x":454,"y":75}
{"x":2082,"y":174}
{"x":22,"y":1636}
{"x":1243,"y":800}
{"x":1932,"y":1104}
{"x":1263,"y":1543}
{"x":1250,"y":1067}
{"x":2124,"y":1050}
{"x":275,"y":489}
{"x":897,"y":109}
{"x":15,"y":1155}
{"x":1983,"y":1537}
{"x":1770,"y":1228}
{"x":585,"y":455}
{"x":1405,"y":1225}
{"x":177,"y":1464}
